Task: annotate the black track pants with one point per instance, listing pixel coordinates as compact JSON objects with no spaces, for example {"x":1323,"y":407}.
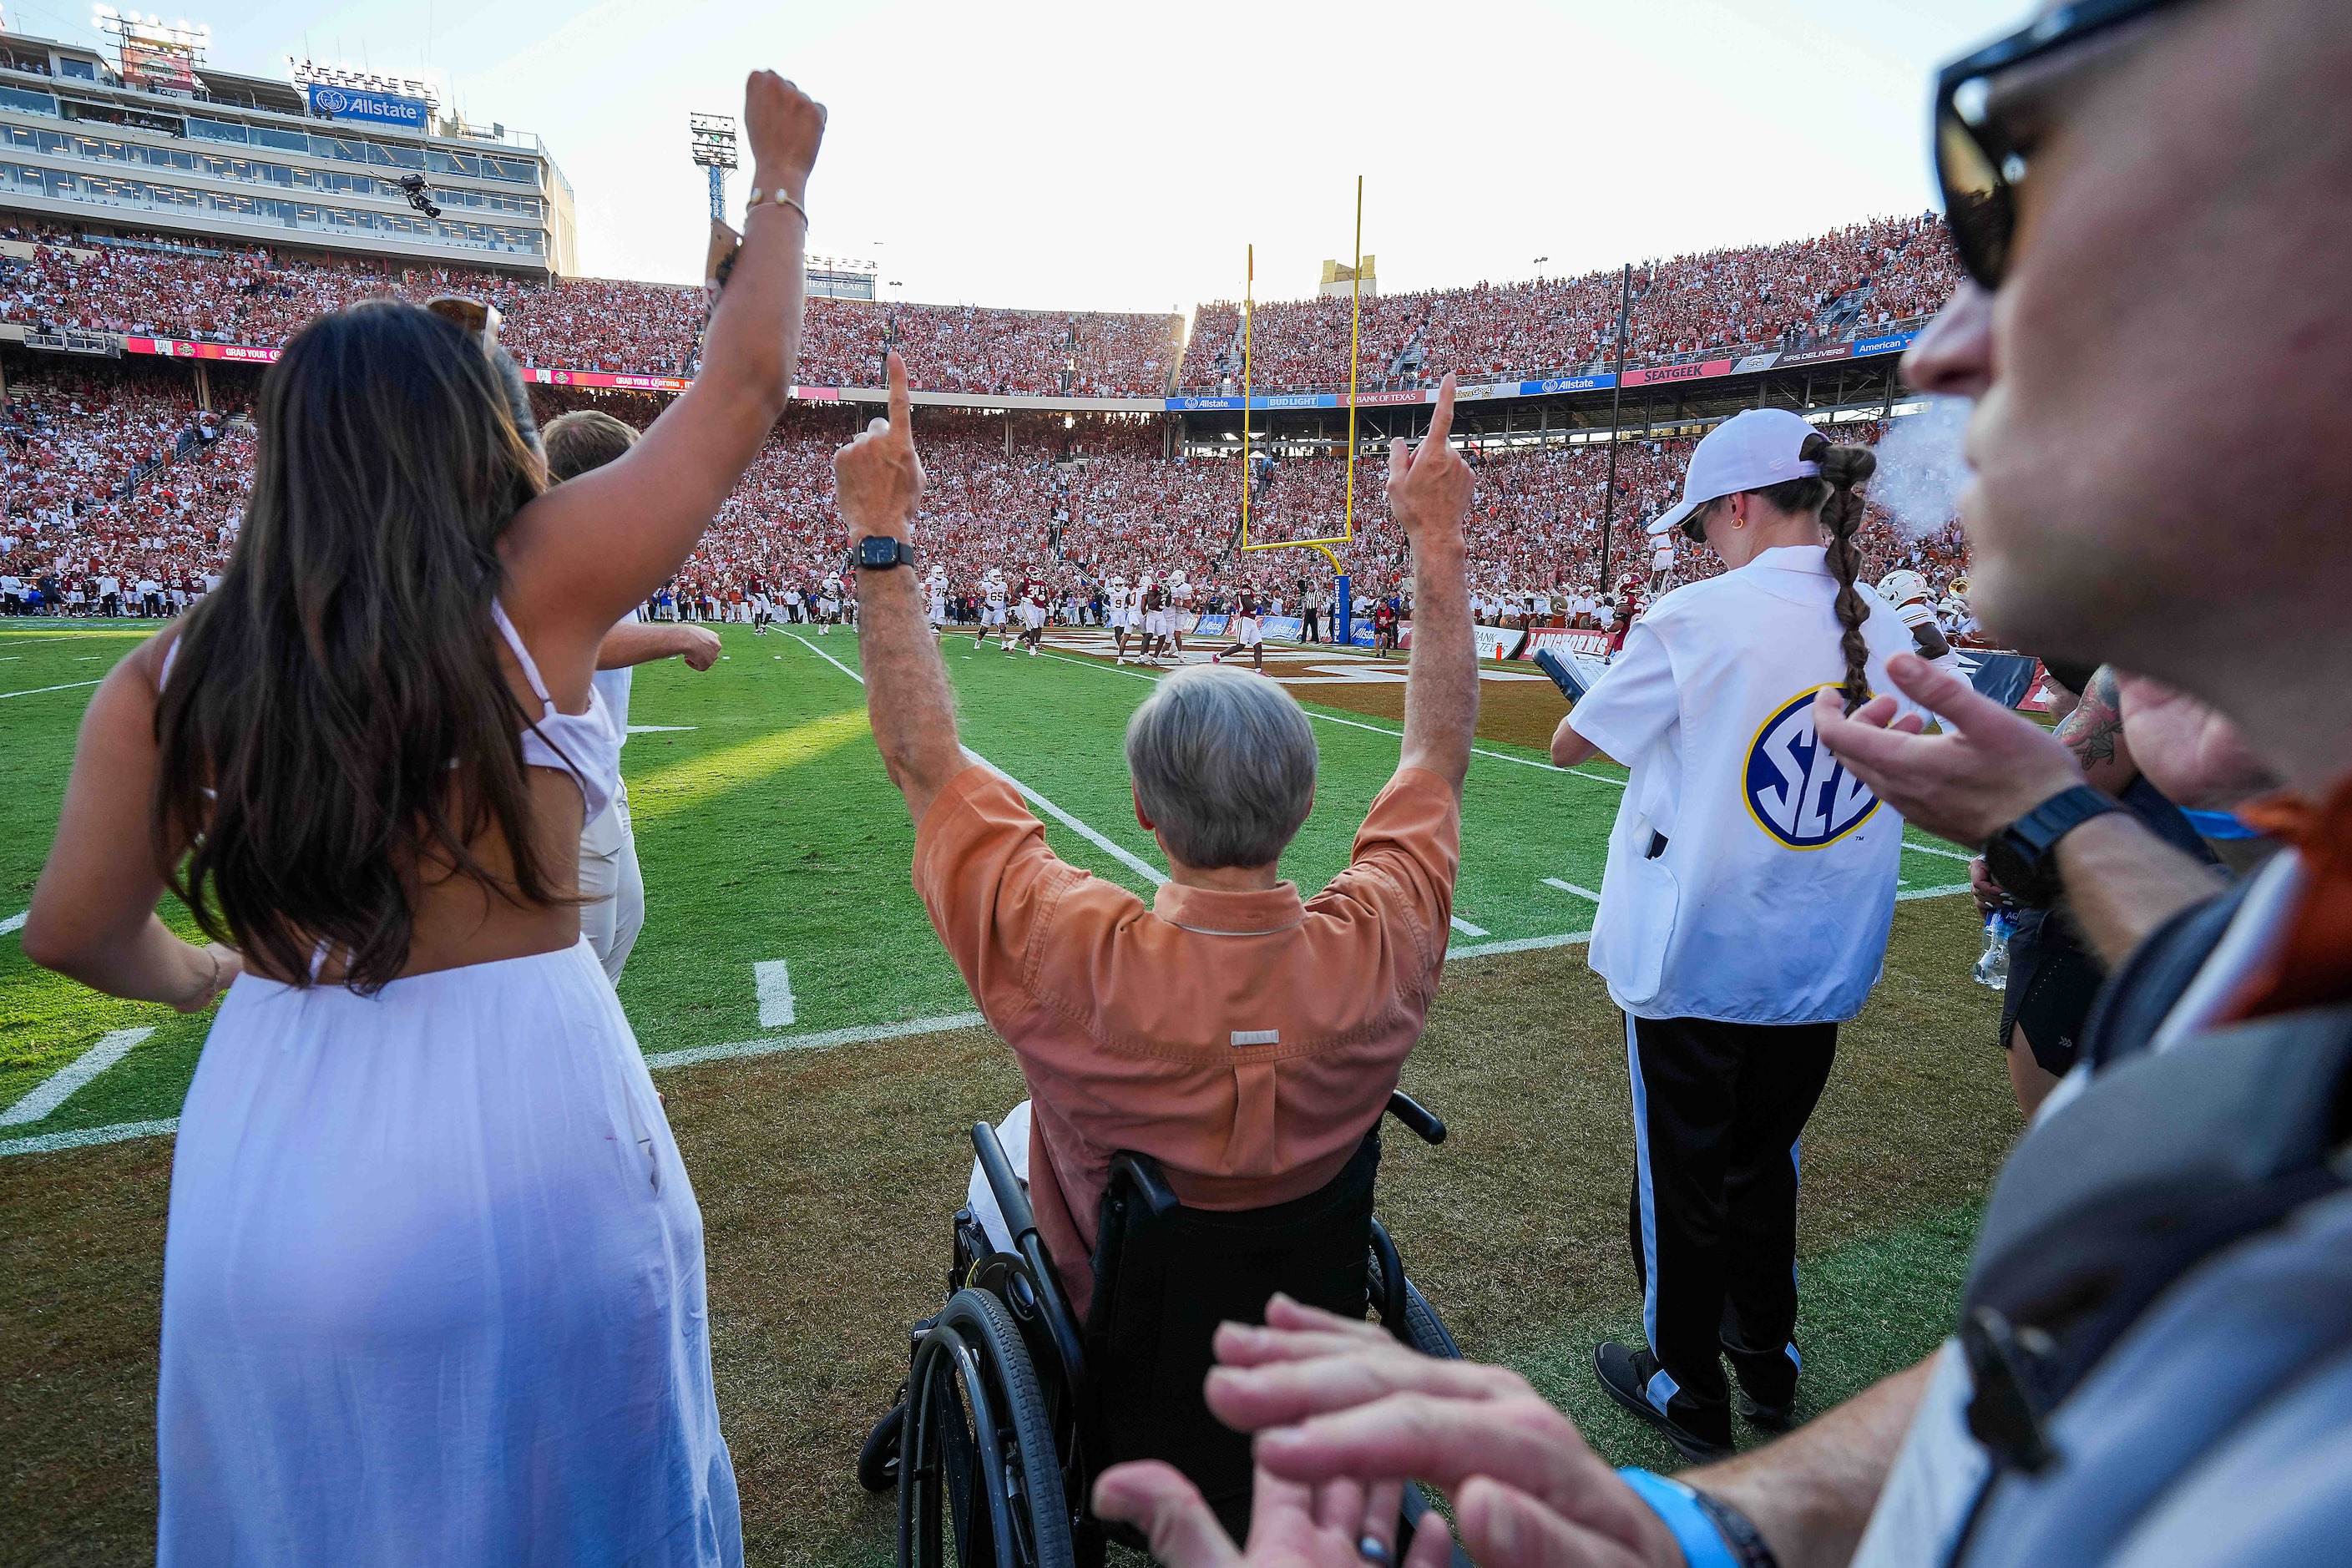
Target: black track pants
{"x":1717,"y":1110}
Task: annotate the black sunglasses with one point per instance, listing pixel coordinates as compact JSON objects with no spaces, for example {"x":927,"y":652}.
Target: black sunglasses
{"x":1980,"y":160}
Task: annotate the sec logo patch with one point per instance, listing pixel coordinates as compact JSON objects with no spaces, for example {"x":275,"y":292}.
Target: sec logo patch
{"x":1796,"y":791}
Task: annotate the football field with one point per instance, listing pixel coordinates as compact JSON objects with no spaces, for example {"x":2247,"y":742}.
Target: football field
{"x":820,"y":1058}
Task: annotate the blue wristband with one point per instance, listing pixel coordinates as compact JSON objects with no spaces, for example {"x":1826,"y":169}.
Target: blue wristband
{"x":1701,"y":1543}
{"x":2219,"y":825}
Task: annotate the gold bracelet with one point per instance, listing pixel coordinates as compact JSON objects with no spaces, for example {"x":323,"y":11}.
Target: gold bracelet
{"x":772,"y":199}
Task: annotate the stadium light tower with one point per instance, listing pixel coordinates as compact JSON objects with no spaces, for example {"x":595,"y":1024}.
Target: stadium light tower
{"x":714,"y":149}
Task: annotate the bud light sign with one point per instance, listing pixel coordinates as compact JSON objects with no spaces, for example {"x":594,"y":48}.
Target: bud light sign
{"x":363,"y":104}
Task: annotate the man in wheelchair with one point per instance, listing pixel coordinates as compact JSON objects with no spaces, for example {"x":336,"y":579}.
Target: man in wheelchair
{"x":1239,"y":1041}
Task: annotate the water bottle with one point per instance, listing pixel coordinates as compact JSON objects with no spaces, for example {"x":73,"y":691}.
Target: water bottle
{"x":1992,"y":964}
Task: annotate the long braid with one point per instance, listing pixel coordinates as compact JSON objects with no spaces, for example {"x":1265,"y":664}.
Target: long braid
{"x":1844,"y":468}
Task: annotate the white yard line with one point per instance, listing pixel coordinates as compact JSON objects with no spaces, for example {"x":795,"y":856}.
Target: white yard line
{"x":1521,"y":944}
{"x":55,"y":1089}
{"x":1151,"y":877}
{"x":36,"y":690}
{"x":821,"y":1040}
{"x":661,"y":729}
{"x":15,"y":922}
{"x":1571,"y":888}
{"x":1945,"y":891}
{"x":1932,"y":849}
{"x":1467,"y":928}
{"x":775,"y":984}
{"x":120,"y":1132}
{"x":827,"y":657}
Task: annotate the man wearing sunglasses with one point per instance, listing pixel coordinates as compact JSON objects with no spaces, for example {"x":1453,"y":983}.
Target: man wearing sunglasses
{"x":2153,"y":1359}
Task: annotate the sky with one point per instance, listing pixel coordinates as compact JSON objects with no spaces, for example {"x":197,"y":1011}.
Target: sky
{"x":1090,"y":154}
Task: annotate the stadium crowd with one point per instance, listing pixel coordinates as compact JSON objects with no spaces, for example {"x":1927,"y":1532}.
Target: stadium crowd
{"x":111,"y":484}
{"x":1754,"y":298}
{"x":165,"y":286}
{"x":1758,"y":297}
{"x":110,"y":476}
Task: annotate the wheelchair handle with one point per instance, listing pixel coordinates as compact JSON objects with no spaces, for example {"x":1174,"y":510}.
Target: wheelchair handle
{"x":1417,"y":1117}
{"x":1011,"y":1201}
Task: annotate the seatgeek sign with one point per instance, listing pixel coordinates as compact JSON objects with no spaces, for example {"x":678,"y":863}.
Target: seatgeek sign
{"x":363,"y":104}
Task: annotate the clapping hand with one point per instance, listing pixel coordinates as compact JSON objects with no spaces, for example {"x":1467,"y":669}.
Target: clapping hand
{"x":1344,"y":1415}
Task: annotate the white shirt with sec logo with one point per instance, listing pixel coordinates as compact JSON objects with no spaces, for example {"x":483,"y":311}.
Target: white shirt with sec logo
{"x":1771,"y":900}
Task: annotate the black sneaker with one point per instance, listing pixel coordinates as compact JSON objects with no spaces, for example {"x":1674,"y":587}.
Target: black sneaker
{"x":1777,"y":1417}
{"x":1625,"y":1374}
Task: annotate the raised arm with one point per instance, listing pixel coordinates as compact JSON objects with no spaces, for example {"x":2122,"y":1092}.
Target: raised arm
{"x":586,"y":551}
{"x":1428,"y":491}
{"x":907,"y":701}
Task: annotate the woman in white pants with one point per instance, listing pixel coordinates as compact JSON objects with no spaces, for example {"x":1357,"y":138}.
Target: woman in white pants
{"x":433,"y":1278}
{"x":577,"y":442}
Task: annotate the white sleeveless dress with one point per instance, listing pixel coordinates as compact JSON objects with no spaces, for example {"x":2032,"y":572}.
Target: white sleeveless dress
{"x":433,"y":1284}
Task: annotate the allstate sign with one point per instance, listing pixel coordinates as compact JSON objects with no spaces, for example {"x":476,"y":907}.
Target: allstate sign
{"x":361,"y":103}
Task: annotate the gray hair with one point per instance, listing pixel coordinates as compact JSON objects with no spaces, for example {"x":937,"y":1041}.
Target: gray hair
{"x":1224,"y":763}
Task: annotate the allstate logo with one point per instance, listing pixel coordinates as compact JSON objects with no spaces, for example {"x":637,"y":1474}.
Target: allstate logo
{"x":333,"y":100}
{"x":1796,"y":790}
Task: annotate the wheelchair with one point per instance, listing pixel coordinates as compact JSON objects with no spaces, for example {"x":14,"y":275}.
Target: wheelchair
{"x":1011,"y":1407}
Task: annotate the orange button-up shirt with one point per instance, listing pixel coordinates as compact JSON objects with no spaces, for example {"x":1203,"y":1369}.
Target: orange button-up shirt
{"x":1246,"y":1041}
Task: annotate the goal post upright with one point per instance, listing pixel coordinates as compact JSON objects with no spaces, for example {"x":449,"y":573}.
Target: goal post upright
{"x":1347,"y":534}
{"x":1249,"y":286}
{"x":1355,"y":343}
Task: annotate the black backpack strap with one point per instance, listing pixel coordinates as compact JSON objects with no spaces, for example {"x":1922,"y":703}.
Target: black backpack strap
{"x":2142,"y":990}
{"x":2162,"y":1162}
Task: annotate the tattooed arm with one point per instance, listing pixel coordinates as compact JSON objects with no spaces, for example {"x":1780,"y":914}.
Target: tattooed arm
{"x":2094,"y":731}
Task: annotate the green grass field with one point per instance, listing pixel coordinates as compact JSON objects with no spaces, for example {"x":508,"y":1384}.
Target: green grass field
{"x":826,"y":1150}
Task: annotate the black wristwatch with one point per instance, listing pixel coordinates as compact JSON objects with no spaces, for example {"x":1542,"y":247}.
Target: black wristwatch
{"x":876,"y":554}
{"x":2023,"y":857}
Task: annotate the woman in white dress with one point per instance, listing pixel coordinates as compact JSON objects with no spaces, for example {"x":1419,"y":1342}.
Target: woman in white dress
{"x":433,"y":1283}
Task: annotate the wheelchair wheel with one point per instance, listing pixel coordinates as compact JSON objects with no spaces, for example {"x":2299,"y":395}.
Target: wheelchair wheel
{"x":1422,"y":1327}
{"x":877,"y":1460}
{"x":977,"y":1462}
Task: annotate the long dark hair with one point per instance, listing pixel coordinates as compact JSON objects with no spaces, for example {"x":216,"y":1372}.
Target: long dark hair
{"x":1843,"y":467}
{"x":337,"y":719}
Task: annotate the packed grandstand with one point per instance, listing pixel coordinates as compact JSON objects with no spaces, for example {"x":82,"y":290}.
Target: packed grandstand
{"x":114,"y":475}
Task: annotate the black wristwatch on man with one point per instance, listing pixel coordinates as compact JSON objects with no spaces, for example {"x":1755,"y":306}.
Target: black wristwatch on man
{"x":877,"y":553}
{"x":2023,"y":856}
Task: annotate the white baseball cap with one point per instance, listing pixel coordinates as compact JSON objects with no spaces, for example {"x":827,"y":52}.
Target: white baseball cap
{"x":1747,"y":452}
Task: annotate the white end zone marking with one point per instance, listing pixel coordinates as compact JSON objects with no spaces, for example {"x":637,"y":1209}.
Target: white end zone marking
{"x":774,"y":982}
{"x":53,"y":1090}
{"x":1571,"y":888}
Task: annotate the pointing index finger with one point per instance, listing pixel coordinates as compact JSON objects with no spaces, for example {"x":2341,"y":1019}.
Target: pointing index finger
{"x":900,"y":412}
{"x":1441,"y":423}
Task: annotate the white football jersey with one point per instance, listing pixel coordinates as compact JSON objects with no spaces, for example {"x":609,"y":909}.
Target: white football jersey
{"x":1770,"y":898}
